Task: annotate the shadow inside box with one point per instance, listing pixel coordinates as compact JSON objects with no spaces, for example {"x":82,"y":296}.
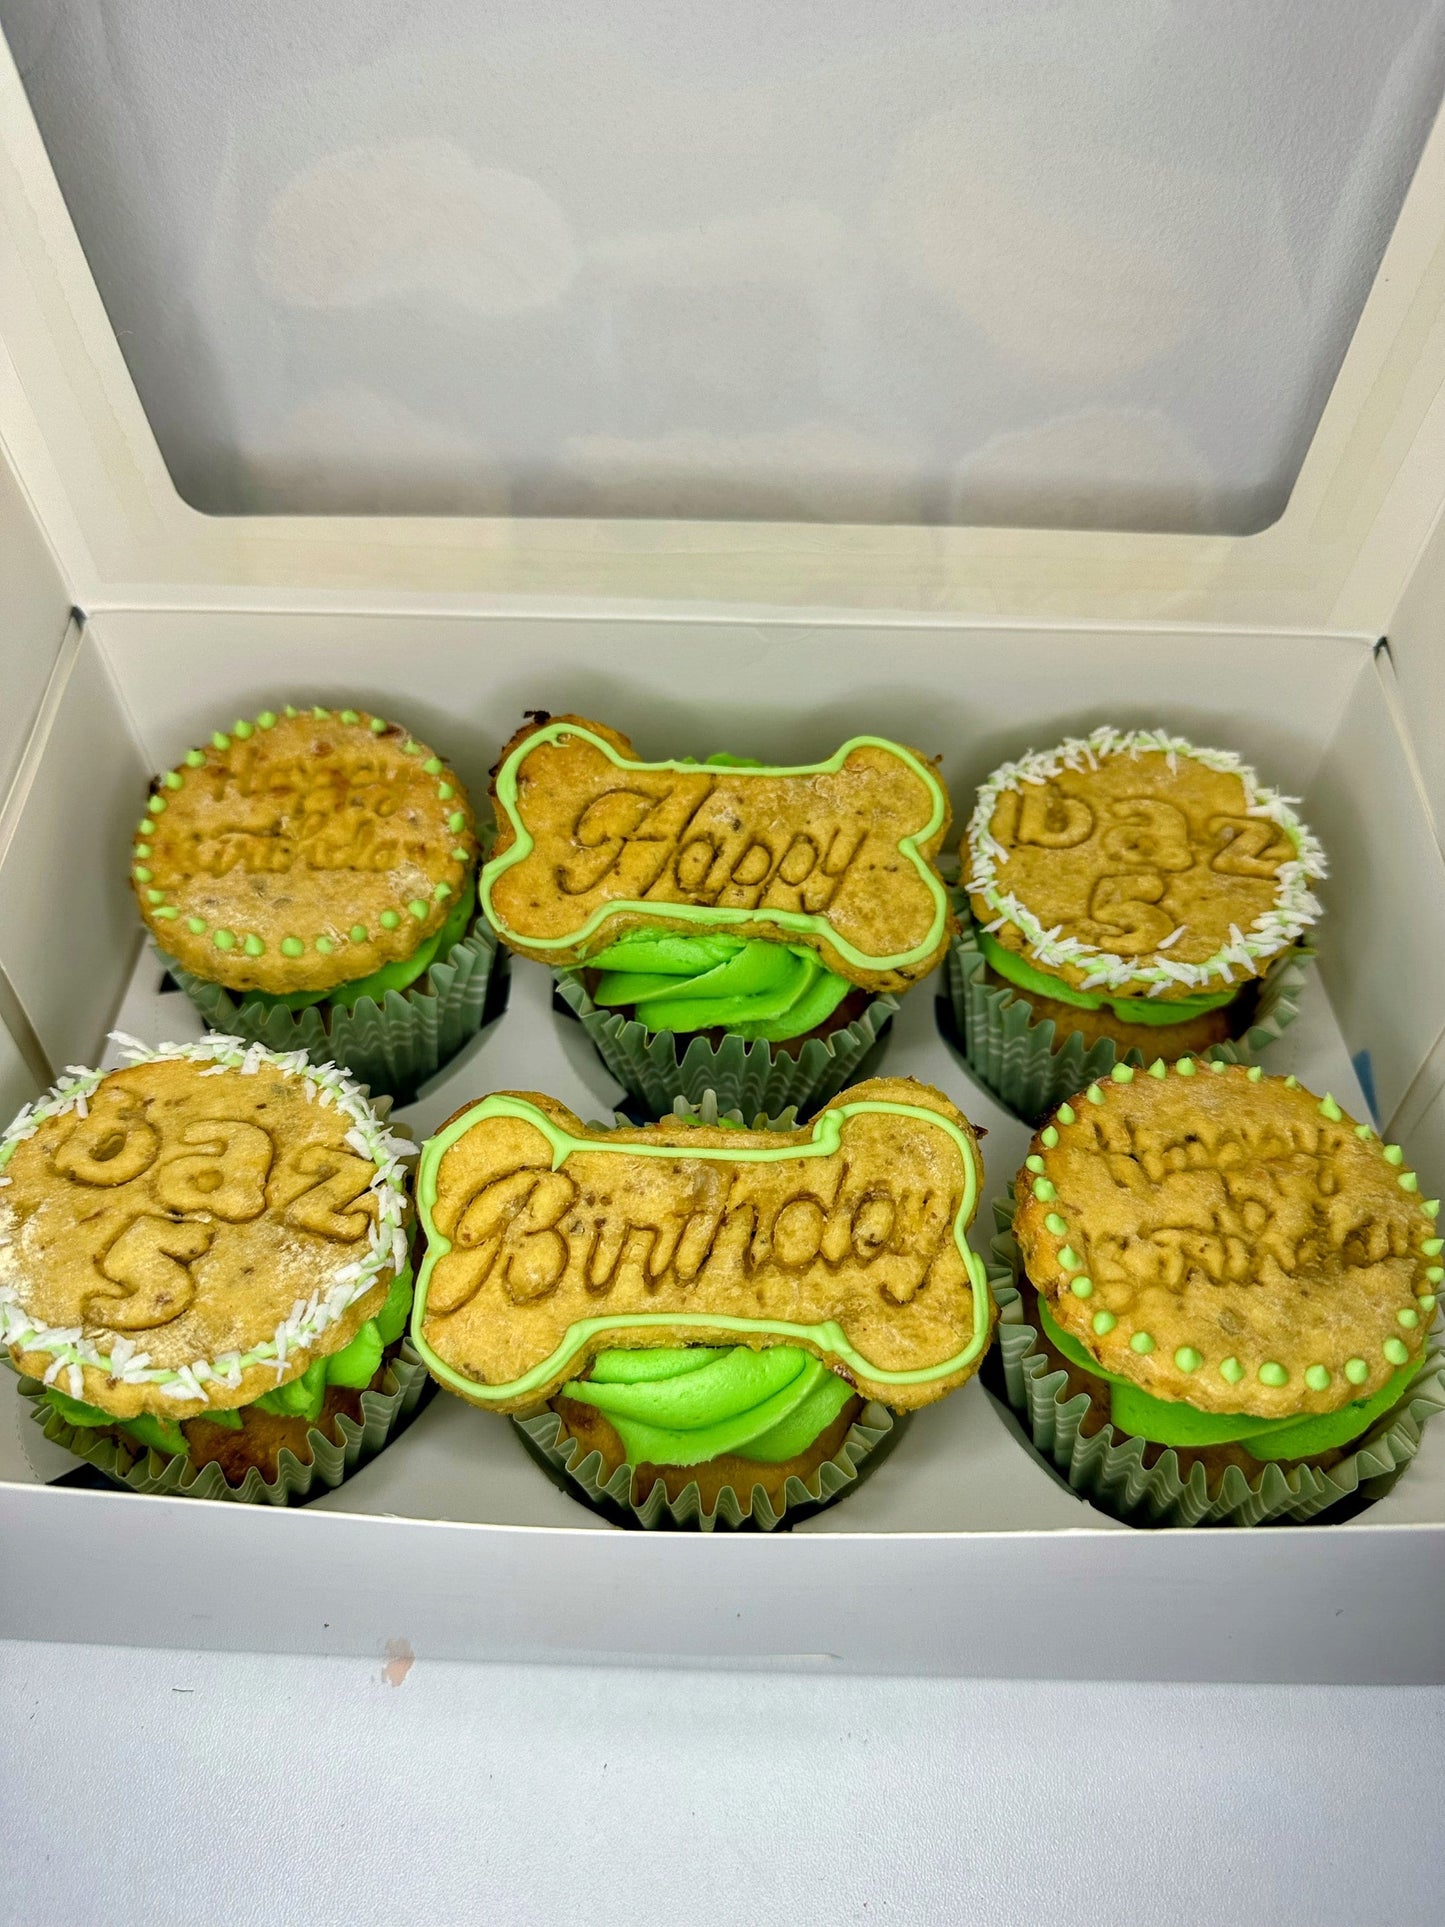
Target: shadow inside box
{"x":499,"y":987}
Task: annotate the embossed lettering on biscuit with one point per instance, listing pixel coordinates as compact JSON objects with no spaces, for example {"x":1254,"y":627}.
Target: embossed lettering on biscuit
{"x":853,"y":1225}
{"x":302,"y":851}
{"x":1136,"y":863}
{"x":593,"y":842}
{"x":184,"y":1211}
{"x":1236,"y":1222}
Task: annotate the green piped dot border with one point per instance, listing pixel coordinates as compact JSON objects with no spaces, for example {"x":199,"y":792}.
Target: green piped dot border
{"x":1318,"y":1377}
{"x":326,"y":943}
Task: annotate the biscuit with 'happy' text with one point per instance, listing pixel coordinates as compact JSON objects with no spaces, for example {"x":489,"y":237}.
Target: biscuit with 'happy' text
{"x":594,"y":843}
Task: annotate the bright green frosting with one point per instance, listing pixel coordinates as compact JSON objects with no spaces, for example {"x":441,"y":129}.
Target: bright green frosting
{"x":684,"y":1407}
{"x":1174,"y":1422}
{"x":355,"y":1365}
{"x":747,"y":985}
{"x":391,"y":976}
{"x":1133,"y":1010}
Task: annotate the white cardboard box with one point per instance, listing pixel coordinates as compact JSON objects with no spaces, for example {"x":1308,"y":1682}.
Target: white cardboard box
{"x":773,"y":640}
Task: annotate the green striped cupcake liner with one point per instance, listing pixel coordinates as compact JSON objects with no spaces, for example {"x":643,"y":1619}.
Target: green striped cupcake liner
{"x":393,"y":1046}
{"x":1109,"y":1471}
{"x":581,"y":1473}
{"x":385,"y":1411}
{"x":1019,"y":1058}
{"x":658,"y":1067}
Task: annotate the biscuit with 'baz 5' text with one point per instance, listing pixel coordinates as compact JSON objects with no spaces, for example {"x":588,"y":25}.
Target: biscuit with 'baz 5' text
{"x":202,"y":1255}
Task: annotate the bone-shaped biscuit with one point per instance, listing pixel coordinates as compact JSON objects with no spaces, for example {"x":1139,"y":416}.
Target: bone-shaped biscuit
{"x":549,"y":1241}
{"x":838,"y":855}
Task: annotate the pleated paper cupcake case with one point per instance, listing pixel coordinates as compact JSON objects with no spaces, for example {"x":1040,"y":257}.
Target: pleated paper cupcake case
{"x":659,"y":1066}
{"x":1015,"y":1055}
{"x":394,"y":1046}
{"x":580,"y":1471}
{"x":708,"y":1110}
{"x":612,"y":1496}
{"x":385,"y":1412}
{"x":1111,"y":1473}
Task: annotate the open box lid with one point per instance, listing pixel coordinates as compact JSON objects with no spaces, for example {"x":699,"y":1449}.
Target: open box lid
{"x":1083,"y":244}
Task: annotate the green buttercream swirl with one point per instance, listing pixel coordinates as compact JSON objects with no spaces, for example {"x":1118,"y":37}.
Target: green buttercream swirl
{"x":685,"y":1407}
{"x":396,"y":975}
{"x":746,"y":985}
{"x":1131,"y":1010}
{"x":355,"y":1365}
{"x":1167,"y":1421}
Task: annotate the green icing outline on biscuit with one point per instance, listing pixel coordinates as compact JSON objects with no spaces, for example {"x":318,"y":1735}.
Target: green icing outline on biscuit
{"x":827,"y":1131}
{"x":799,"y":920}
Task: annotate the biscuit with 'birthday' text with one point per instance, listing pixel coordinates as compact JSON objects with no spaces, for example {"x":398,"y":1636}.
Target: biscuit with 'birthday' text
{"x":549,"y":1242}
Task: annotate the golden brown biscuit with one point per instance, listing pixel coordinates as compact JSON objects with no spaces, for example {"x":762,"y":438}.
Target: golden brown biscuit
{"x":302,"y":851}
{"x":1139,"y":865}
{"x":592,"y":843}
{"x":1229,"y":1239}
{"x":549,"y":1242}
{"x":189,"y":1232}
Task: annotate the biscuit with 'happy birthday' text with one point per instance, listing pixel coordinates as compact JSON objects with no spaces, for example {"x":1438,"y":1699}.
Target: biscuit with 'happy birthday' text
{"x":300,"y":851}
{"x":1229,"y":1240}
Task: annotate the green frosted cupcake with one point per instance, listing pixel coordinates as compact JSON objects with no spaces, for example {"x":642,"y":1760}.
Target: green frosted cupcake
{"x":1221,"y":1298}
{"x":696,"y":1324}
{"x":309,"y":877}
{"x":206,"y":1281}
{"x":1128,"y":895}
{"x":725,"y":926}
{"x":706,"y":1435}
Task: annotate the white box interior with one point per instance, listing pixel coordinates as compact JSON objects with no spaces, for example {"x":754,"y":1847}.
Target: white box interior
{"x":136,"y":688}
{"x":774,"y":639}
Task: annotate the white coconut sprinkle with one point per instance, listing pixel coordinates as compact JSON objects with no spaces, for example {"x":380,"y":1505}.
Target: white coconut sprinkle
{"x":69,"y":1349}
{"x":1294,"y":910}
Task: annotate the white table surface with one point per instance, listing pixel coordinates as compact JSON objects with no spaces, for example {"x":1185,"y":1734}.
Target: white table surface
{"x":138,"y":1786}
